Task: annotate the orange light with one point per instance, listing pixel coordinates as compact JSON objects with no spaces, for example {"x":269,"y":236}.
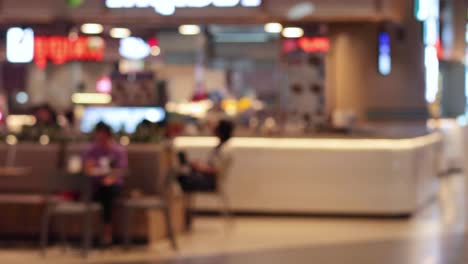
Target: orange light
{"x":314,"y":44}
{"x":244,"y":104}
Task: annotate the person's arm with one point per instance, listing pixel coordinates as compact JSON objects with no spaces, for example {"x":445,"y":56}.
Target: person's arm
{"x":90,"y":164}
{"x":222,"y":161}
{"x":218,"y":164}
{"x":120,"y":169}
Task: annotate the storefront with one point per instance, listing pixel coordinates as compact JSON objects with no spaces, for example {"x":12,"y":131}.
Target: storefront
{"x":299,"y":80}
{"x":294,"y":62}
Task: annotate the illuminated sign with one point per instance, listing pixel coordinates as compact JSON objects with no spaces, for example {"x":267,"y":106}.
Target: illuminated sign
{"x":431,"y":61}
{"x":60,"y":50}
{"x":307,"y":44}
{"x":134,"y":48}
{"x":168,"y":7}
{"x":385,"y":54}
{"x":431,"y":31}
{"x":425,"y":9}
{"x":317,"y":44}
{"x":428,"y":11}
{"x":20,"y":45}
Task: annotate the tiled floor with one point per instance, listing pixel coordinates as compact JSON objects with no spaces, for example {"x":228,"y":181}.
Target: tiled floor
{"x":435,"y":235}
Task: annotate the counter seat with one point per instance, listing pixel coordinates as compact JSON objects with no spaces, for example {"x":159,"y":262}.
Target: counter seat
{"x":330,"y":176}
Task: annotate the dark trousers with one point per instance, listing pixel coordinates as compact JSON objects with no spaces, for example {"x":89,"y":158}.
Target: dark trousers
{"x":195,"y":181}
{"x":198,"y":182}
{"x":106,"y":197}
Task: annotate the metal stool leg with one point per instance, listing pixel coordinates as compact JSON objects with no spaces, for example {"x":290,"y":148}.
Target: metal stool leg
{"x":225,"y":207}
{"x":87,"y":234}
{"x":127,"y":226}
{"x":45,"y":231}
{"x":63,"y":235}
{"x":170,"y":229}
{"x":226,"y":210}
{"x":188,"y":212}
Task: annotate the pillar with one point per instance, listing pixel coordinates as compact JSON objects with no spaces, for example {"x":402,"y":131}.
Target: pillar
{"x":453,"y":26}
{"x":354,"y":81}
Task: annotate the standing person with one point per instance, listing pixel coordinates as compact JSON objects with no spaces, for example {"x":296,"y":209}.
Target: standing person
{"x":202,"y":176}
{"x":106,"y":162}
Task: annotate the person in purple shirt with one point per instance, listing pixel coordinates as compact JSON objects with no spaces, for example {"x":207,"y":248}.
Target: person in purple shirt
{"x":106,"y":162}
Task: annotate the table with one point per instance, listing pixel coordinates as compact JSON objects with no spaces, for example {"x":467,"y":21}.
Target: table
{"x":14,"y":171}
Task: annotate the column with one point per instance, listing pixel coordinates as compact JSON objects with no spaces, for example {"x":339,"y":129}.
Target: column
{"x":354,"y":81}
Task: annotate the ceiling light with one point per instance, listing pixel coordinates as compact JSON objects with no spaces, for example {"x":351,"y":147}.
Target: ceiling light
{"x":293,"y":32}
{"x":300,"y":11}
{"x":189,"y":30}
{"x":274,"y":28}
{"x":22,"y":97}
{"x":92,"y":28}
{"x":91,"y":98}
{"x":119,"y":33}
{"x":155,"y":51}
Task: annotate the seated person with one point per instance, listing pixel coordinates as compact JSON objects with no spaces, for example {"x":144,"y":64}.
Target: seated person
{"x":202,"y":177}
{"x":45,"y":116}
{"x":106,"y":162}
{"x":46,"y":124}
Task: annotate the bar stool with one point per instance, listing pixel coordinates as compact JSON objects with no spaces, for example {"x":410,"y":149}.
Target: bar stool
{"x":63,"y":209}
{"x":151,"y":203}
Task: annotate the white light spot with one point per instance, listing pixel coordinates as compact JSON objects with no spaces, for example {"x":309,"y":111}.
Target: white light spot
{"x":22,"y":97}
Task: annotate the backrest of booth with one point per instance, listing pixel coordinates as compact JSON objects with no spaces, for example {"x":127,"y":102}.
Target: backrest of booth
{"x":147,"y":167}
{"x":43,"y":162}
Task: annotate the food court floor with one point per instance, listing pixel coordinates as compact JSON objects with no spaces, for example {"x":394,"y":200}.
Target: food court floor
{"x":435,"y":235}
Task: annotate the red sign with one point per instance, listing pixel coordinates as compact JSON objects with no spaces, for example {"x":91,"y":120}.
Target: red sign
{"x":317,"y":44}
{"x":307,"y":44}
{"x":440,"y":49}
{"x":60,"y":50}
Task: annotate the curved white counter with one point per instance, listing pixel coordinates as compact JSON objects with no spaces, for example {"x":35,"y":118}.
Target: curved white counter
{"x":325,"y":176}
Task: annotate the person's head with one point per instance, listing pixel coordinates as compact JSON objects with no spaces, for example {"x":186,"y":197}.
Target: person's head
{"x":103,"y":134}
{"x":45,"y":114}
{"x":146,"y":123}
{"x":224,"y":130}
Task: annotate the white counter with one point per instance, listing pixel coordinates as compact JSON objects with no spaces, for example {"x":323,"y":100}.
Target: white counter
{"x":325,"y":176}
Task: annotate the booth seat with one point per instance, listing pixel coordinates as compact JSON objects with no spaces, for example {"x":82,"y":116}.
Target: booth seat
{"x":22,"y":197}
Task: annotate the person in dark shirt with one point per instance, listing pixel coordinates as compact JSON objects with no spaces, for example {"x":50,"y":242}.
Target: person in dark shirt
{"x":204,"y":176}
{"x":45,"y":115}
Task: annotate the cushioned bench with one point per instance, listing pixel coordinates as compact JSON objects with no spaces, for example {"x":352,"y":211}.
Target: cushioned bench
{"x":21,"y":197}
